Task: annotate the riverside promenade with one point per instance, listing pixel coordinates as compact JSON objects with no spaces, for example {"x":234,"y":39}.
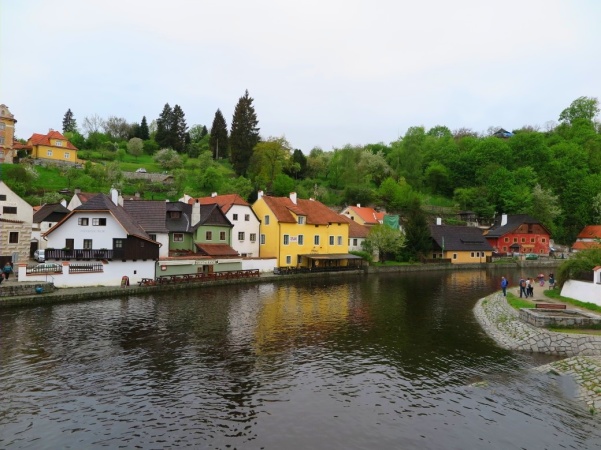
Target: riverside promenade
{"x":583,"y":352}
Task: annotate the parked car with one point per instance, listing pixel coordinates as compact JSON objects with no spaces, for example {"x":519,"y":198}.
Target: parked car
{"x":49,"y":267}
{"x":39,"y":255}
{"x":531,"y":256}
{"x":141,"y":170}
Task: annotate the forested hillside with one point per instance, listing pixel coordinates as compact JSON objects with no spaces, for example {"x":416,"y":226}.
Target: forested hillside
{"x":552,"y":173}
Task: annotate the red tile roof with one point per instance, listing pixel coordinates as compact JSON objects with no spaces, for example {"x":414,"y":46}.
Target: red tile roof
{"x":590,"y":232}
{"x":580,"y":245}
{"x":316,"y":212}
{"x":216,"y":250}
{"x":369,"y":215}
{"x":225,"y":201}
{"x":44,"y":139}
{"x":355,"y":230}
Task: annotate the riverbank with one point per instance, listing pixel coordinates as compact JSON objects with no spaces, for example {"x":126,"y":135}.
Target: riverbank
{"x":583,"y":352}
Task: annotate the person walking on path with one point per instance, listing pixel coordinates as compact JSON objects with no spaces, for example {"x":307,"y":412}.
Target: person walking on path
{"x":523,"y":288}
{"x":530,"y":287}
{"x":504,"y":286}
{"x":7,"y":270}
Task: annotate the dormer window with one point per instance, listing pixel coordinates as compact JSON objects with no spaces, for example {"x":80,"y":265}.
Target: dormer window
{"x":175,"y":214}
{"x":59,"y":143}
{"x":301,"y":220}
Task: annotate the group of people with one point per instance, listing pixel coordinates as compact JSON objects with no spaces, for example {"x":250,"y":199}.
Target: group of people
{"x":527,"y":285}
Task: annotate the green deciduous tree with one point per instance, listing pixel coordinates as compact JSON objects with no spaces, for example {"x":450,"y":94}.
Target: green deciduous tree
{"x":219,"y":140}
{"x":244,"y":134}
{"x":69,"y":123}
{"x":545,"y":207}
{"x":168,"y":159}
{"x":268,"y":160}
{"x":582,"y":263}
{"x":581,"y":108}
{"x":383,"y":240}
{"x":135,"y":147}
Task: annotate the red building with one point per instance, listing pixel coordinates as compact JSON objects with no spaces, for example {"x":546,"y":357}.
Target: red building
{"x":518,"y":233}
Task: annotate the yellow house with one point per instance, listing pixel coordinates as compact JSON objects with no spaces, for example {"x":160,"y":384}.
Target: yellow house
{"x":459,"y":244}
{"x":53,"y":146}
{"x":301,"y":233}
{"x":7,"y":135}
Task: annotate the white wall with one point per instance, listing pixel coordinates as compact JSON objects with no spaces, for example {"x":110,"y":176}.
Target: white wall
{"x":263,"y":264}
{"x":102,"y":236}
{"x":583,"y":291}
{"x":252,"y":226}
{"x":110,"y":276}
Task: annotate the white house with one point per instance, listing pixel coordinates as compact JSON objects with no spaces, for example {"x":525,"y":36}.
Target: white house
{"x":16,"y":218}
{"x":98,"y":243}
{"x":245,"y":232}
{"x":44,"y":219}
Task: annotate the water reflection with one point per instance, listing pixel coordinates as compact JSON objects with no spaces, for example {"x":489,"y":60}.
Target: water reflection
{"x":392,"y":361}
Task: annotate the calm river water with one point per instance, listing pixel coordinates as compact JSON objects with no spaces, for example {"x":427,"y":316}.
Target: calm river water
{"x":372,"y":362}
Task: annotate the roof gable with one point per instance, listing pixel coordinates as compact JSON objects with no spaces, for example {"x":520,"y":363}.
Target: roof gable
{"x":44,"y":139}
{"x":590,"y":232}
{"x":316,"y":212}
{"x":459,"y":238}
{"x":225,"y":201}
{"x":52,"y":212}
{"x":514,"y":221}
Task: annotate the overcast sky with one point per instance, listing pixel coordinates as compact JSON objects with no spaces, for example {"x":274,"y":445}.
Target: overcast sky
{"x":322,"y":73}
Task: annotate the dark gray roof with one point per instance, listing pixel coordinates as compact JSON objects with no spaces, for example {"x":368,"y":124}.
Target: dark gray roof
{"x":212,"y":215}
{"x":53,"y":212}
{"x":513,"y":223}
{"x":150,"y":214}
{"x":181,"y":224}
{"x":459,"y":238}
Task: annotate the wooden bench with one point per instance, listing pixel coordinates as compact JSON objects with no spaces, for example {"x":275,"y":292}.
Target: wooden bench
{"x":550,"y":306}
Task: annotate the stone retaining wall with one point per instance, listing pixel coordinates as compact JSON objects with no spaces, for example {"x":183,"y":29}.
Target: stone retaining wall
{"x":10,"y":289}
{"x":501,"y":322}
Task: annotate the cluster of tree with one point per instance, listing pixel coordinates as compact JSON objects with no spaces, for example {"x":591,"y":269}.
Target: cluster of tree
{"x":552,"y":174}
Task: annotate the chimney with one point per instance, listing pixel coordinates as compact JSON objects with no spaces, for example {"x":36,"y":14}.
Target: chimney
{"x":259,"y":194}
{"x":195,"y":214}
{"x":77,"y":191}
{"x":64,"y":202}
{"x":438,"y":221}
{"x":293,"y":197}
{"x":137,"y":195}
{"x":503,"y":219}
{"x":214,"y":194}
{"x":358,"y":205}
{"x":115,"y":196}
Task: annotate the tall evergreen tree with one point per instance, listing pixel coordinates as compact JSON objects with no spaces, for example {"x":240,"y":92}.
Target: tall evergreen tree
{"x":143,"y":131}
{"x":179,"y":130}
{"x":219,"y":140}
{"x":419,"y":241}
{"x":244,"y":135}
{"x":69,"y":124}
{"x":164,"y":123}
{"x":204,"y":131}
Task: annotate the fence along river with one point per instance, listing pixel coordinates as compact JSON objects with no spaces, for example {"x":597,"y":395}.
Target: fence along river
{"x":379,"y":361}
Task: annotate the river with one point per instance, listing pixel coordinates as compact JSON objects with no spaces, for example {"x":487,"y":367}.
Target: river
{"x":370,"y":362}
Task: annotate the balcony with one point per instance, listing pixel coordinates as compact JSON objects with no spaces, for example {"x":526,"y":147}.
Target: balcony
{"x":83,"y":254}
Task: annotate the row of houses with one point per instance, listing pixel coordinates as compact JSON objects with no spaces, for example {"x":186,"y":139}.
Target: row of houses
{"x":145,"y":238}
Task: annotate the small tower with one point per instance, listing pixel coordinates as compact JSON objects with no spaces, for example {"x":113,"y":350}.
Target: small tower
{"x":7,"y":135}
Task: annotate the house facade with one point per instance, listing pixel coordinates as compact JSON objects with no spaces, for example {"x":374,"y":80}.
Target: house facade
{"x":7,"y":135}
{"x":246,"y":224}
{"x":589,"y":237}
{"x":100,"y":235}
{"x":459,"y":244}
{"x":16,"y":219}
{"x":52,"y":146}
{"x":301,"y":233}
{"x":519,"y":234}
{"x":43,"y":219}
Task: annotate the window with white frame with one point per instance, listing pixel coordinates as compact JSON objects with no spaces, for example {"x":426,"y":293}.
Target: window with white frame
{"x":83,"y":221}
{"x":354,"y":242}
{"x":58,"y":143}
{"x":209,"y":235}
{"x":1,"y":140}
{"x":286,"y":239}
{"x":266,"y":220}
{"x":331,"y":240}
{"x":99,"y":222}
{"x":301,"y":239}
{"x":301,"y":220}
{"x":339,"y":240}
{"x":253,"y":237}
{"x":240,"y":235}
{"x":235,"y":217}
{"x":178,"y":237}
{"x":2,"y":125}
{"x":87,"y":244}
{"x":316,"y":239}
{"x":49,"y":153}
{"x":262,"y":239}
{"x":222,"y":235}
{"x":288,"y":260}
{"x":246,"y":217}
{"x":67,"y":155}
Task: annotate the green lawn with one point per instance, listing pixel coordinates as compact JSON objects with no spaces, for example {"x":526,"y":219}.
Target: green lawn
{"x":517,"y":302}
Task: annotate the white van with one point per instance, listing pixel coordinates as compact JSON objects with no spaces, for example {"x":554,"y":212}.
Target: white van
{"x":39,"y":255}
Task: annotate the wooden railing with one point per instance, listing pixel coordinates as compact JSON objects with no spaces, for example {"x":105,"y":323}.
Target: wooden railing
{"x":200,"y":277}
{"x":78,"y":253}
